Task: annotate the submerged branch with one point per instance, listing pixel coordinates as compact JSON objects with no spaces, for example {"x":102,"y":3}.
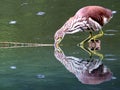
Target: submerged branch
{"x":19,"y":45}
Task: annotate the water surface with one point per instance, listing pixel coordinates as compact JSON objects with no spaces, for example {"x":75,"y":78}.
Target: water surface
{"x":36,"y":68}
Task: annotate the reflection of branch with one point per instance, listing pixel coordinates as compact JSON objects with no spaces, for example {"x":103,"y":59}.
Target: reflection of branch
{"x":19,"y":45}
{"x":88,"y":71}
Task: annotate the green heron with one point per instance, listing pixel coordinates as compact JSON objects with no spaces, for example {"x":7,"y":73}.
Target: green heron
{"x":89,"y":18}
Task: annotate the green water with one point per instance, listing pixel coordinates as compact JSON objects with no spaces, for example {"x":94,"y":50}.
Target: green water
{"x":36,"y":68}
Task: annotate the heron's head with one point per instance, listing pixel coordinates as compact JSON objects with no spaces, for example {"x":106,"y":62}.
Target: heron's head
{"x":107,"y":16}
{"x":101,"y":15}
{"x":97,"y":13}
{"x":59,"y":35}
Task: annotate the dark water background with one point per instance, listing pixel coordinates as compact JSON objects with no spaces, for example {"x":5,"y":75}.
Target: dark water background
{"x":36,"y":68}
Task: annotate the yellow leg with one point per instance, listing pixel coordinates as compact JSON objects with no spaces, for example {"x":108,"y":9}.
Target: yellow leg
{"x":94,"y":52}
{"x":87,"y":39}
{"x":97,"y":36}
{"x":87,"y":50}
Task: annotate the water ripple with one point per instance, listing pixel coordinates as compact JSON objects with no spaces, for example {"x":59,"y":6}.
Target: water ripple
{"x":12,"y":67}
{"x":109,"y":34}
{"x":41,"y":76}
{"x":114,"y":77}
{"x":107,"y":55}
{"x":111,"y":30}
{"x":24,"y":4}
{"x":110,"y":59}
{"x":40,"y":13}
{"x":13,"y":22}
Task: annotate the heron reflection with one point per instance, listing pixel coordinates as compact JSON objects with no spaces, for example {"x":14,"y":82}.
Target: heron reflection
{"x":88,"y":70}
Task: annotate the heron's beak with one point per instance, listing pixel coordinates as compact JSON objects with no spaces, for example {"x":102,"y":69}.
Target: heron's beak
{"x":113,"y":12}
{"x":56,"y":45}
{"x":57,"y":42}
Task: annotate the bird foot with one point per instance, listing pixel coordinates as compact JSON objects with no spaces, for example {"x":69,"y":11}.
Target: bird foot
{"x":80,"y":44}
{"x":91,"y":39}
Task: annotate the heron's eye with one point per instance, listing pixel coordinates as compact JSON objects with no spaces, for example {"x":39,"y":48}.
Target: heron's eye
{"x":105,"y":20}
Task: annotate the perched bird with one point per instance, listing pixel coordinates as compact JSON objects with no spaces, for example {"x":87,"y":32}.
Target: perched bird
{"x":88,"y":18}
